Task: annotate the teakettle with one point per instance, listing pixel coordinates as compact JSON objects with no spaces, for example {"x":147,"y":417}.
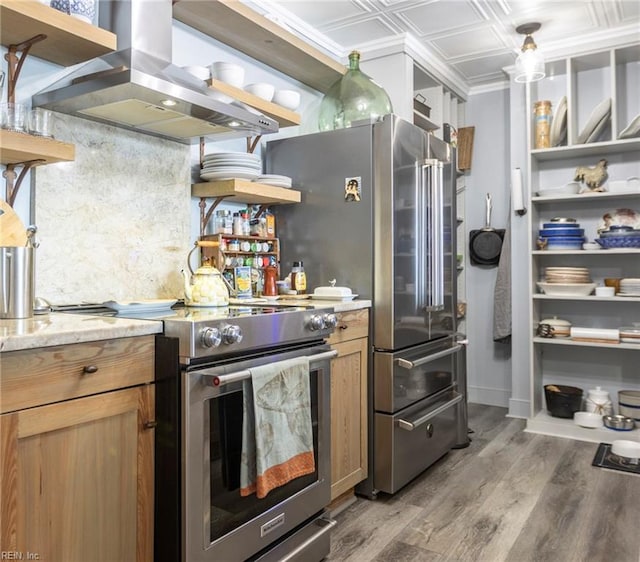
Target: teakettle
{"x":205,"y":286}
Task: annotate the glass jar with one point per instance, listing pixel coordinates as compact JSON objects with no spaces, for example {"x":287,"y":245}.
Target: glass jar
{"x":298,"y":278}
{"x":353,"y":97}
{"x":542,"y":119}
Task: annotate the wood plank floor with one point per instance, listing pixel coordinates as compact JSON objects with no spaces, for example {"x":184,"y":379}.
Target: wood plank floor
{"x":510,"y":496}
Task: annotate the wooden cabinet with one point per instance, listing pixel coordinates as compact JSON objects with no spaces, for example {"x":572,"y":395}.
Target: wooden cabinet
{"x":349,"y":401}
{"x":76,"y":442}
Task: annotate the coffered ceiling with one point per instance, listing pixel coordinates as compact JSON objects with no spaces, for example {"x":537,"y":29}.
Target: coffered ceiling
{"x":474,"y":39}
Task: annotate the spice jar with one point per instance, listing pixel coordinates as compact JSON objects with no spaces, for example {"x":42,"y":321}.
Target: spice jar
{"x":542,"y":121}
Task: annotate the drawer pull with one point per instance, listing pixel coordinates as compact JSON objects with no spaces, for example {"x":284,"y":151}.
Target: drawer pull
{"x":89,"y":369}
{"x":343,"y":327}
{"x":151,"y":424}
{"x":413,"y":424}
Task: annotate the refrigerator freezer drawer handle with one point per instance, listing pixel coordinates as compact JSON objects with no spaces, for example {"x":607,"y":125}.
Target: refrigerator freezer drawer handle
{"x":405,"y":364}
{"x":411,"y":425}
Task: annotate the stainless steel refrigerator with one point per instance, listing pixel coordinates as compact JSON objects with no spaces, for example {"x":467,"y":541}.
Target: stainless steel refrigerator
{"x":378,"y":214}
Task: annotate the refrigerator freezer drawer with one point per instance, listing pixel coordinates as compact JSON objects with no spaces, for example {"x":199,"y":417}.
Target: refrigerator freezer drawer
{"x":412,"y":440}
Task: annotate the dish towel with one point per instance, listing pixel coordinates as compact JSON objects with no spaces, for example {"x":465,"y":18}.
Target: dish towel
{"x":277,"y":434}
{"x":502,"y":293}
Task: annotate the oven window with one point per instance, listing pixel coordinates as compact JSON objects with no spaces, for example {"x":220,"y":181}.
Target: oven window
{"x":229,"y":509}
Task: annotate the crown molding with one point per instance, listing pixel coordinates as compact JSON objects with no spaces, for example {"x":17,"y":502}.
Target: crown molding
{"x":489,"y":87}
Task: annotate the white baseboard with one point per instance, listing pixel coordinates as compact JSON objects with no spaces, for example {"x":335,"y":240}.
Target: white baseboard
{"x":488,"y":396}
{"x":519,"y":408}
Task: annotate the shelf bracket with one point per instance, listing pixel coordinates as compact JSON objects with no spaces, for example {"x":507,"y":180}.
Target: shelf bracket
{"x":205,"y":217}
{"x":13,"y":183}
{"x":251,"y":144}
{"x":16,"y":62}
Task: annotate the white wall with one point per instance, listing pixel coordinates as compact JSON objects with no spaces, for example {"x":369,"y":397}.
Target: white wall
{"x":488,"y":363}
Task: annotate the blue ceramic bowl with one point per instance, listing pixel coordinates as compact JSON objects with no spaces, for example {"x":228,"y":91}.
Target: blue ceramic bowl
{"x":556,"y":232}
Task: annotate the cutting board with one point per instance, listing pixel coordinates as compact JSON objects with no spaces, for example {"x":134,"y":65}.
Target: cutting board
{"x":12,"y":231}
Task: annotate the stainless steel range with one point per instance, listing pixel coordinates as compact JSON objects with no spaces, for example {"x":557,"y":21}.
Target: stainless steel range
{"x":204,"y":359}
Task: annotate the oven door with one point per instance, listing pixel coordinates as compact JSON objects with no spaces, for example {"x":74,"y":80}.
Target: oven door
{"x":218,"y":523}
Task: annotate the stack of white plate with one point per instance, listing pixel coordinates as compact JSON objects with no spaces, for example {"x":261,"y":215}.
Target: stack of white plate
{"x":629,"y":287}
{"x":567,"y":275}
{"x":598,"y":120}
{"x":230,"y":165}
{"x":274,"y":179}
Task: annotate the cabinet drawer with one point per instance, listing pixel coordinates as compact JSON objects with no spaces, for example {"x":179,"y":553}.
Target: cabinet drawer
{"x":351,"y":325}
{"x":50,"y":374}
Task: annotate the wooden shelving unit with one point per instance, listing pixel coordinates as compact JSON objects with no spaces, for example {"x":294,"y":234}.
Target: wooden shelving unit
{"x":283,"y":116}
{"x":69,"y":40}
{"x":243,"y":191}
{"x":21,"y":147}
{"x":243,"y":29}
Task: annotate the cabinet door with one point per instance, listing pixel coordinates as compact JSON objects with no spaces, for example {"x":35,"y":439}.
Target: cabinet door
{"x":77,"y":478}
{"x":348,"y":416}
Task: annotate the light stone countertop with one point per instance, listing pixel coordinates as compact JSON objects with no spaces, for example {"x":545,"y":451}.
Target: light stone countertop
{"x":57,"y":328}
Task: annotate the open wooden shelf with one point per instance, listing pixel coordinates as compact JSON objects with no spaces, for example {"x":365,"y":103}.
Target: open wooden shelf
{"x":283,"y":116}
{"x":243,"y":29}
{"x":21,"y":147}
{"x":69,"y":40}
{"x":243,"y":191}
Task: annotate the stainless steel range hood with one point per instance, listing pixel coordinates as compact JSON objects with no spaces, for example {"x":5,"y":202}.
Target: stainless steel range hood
{"x":138,"y":88}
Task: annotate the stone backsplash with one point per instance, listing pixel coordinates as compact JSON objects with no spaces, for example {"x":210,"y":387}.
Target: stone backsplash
{"x":115,"y":223}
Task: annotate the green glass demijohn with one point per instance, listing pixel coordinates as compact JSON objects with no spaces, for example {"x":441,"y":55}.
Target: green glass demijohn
{"x":352,"y":98}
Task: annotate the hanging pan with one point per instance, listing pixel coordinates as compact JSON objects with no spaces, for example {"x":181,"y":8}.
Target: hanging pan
{"x":485,"y":244}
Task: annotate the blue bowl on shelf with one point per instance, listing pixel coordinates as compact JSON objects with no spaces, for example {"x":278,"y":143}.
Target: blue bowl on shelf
{"x":619,"y":242}
{"x":554,"y":233}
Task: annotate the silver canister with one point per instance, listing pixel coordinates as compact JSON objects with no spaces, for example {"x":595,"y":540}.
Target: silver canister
{"x":16,"y":281}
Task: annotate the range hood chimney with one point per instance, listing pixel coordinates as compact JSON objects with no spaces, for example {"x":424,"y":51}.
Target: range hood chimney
{"x":138,"y":88}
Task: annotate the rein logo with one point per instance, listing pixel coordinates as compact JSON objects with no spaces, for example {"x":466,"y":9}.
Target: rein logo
{"x":18,"y":555}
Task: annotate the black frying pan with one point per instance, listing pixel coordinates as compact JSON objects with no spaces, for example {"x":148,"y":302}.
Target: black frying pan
{"x":485,"y":244}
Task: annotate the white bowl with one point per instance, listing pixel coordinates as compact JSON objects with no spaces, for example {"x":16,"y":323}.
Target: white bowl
{"x":229,"y":73}
{"x":202,"y":72}
{"x":566,"y":189}
{"x":588,"y":419}
{"x":289,"y":99}
{"x":567,"y":289}
{"x":261,"y":89}
{"x":626,"y":448}
{"x":630,"y":397}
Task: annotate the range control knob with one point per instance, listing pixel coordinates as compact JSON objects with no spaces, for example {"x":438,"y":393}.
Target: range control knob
{"x":231,"y":334}
{"x":210,"y":337}
{"x":330,"y":320}
{"x":316,"y":322}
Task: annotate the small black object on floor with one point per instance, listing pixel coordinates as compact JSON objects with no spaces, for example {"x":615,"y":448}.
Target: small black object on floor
{"x":606,"y":459}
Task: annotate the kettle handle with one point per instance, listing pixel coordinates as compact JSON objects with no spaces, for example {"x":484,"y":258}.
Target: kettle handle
{"x":200,"y":244}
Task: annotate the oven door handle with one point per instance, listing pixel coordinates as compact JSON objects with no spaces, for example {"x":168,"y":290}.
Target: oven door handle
{"x":411,"y":425}
{"x":220,"y":380}
{"x":406,"y":364}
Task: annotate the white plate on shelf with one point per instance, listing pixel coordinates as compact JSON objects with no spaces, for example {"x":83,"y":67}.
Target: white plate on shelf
{"x":600,"y":112}
{"x":229,"y":174}
{"x":559,"y":122}
{"x":142,"y":305}
{"x":599,"y":128}
{"x":632,"y":130}
{"x":330,"y":298}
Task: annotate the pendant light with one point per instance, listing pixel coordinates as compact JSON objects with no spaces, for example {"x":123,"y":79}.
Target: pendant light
{"x":530,"y":62}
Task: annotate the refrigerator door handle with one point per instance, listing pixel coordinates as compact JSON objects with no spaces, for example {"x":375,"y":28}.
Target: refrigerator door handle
{"x":433,"y":182}
{"x":406,"y":364}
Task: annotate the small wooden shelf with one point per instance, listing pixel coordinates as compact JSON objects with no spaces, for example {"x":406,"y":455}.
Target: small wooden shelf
{"x":21,"y":147}
{"x":69,"y":40}
{"x":283,"y":116}
{"x":241,"y":28}
{"x":243,"y":191}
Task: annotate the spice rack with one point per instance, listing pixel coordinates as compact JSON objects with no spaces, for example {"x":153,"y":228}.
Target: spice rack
{"x":221,"y":253}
